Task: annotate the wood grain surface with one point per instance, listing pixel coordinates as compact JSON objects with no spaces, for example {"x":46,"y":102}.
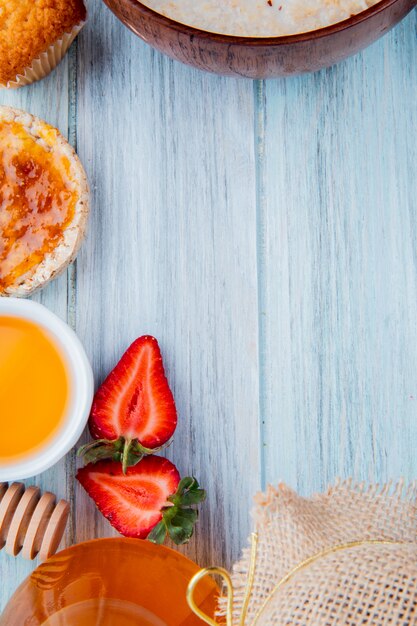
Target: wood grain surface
{"x":265,"y":233}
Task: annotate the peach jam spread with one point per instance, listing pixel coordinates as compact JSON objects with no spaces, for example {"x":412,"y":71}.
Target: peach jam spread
{"x":37,"y":199}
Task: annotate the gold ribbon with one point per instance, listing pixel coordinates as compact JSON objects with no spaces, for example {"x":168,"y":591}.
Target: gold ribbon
{"x":219,"y":571}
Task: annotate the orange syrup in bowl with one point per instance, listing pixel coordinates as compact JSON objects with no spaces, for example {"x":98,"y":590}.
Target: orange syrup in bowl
{"x":34,"y":388}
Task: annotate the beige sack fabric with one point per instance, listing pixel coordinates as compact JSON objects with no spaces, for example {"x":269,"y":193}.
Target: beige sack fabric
{"x":340,"y":576}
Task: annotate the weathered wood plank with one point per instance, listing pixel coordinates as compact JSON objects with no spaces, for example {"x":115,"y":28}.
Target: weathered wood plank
{"x":49,"y":100}
{"x":338,"y":268}
{"x":172,"y":252}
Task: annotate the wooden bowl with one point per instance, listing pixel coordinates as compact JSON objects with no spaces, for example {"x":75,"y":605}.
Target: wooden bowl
{"x":260,"y":57}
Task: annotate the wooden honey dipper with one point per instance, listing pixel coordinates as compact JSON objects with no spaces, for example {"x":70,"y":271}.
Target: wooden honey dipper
{"x":31,"y":523}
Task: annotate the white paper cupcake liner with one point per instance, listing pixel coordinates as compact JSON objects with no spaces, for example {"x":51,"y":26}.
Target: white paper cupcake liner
{"x":46,"y":62}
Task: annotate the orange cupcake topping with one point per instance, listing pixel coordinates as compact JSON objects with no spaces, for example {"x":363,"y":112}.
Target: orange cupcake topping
{"x":29,"y":27}
{"x":37,"y":200}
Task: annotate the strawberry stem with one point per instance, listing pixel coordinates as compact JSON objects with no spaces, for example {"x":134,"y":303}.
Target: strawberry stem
{"x":127,"y":451}
{"x":178,"y":517}
{"x":125,"y":455}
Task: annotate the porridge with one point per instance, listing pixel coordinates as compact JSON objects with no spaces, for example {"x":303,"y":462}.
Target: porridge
{"x":259,"y":18}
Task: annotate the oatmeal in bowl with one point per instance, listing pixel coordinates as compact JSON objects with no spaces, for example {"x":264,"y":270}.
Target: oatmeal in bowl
{"x":259,"y":18}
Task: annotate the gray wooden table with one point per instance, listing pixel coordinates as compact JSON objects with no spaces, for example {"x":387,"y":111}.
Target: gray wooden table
{"x":265,"y":233}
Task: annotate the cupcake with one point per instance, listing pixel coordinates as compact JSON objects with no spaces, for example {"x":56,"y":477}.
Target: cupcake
{"x":44,"y":202}
{"x":34,"y":36}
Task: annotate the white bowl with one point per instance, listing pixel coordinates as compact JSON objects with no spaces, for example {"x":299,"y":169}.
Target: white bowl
{"x":81,"y":390}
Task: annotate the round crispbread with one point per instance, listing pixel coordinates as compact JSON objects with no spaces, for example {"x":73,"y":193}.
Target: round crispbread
{"x":55,"y":261}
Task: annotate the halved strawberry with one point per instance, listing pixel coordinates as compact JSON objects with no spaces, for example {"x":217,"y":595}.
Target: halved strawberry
{"x":133,"y":412}
{"x":149,"y":501}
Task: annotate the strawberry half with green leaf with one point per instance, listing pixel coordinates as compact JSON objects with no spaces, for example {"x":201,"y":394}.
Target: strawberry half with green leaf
{"x":149,"y":501}
{"x":133,"y":412}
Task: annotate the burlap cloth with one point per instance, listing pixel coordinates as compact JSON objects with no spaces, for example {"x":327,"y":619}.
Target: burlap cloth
{"x":360,"y":584}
